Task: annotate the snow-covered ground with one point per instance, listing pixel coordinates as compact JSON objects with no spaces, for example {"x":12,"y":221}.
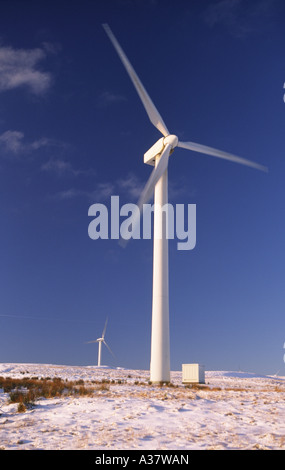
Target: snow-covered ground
{"x":235,"y":410}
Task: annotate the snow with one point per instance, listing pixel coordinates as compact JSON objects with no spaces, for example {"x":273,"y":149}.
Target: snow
{"x":234,"y":410}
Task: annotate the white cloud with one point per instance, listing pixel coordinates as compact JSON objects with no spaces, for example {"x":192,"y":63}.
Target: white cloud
{"x":69,"y":194}
{"x":102,"y":192}
{"x":131,"y":186}
{"x":241,"y":17}
{"x":107,"y":98}
{"x":13,"y":142}
{"x":61,"y":167}
{"x":19,"y":67}
{"x":57,"y":166}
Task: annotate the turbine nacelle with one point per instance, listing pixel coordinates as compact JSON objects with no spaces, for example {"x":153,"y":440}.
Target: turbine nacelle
{"x":158,"y":147}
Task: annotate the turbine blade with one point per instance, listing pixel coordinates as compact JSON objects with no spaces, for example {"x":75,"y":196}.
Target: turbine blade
{"x":148,"y":190}
{"x":156,"y":174}
{"x":95,"y":341}
{"x":151,"y":110}
{"x":220,"y":154}
{"x":109,"y":349}
{"x":104,"y":331}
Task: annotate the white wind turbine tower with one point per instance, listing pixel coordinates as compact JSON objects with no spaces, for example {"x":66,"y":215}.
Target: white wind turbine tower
{"x":157,"y":183}
{"x":100,"y":341}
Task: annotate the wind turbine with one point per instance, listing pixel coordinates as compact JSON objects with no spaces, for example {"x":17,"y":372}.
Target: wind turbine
{"x":100,"y":341}
{"x":158,"y":156}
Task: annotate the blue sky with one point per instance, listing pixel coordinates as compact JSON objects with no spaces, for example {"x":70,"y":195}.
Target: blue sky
{"x":73,"y":132}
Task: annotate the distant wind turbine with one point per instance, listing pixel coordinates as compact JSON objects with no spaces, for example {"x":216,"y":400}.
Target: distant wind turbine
{"x":157,"y":183}
{"x":100,"y":341}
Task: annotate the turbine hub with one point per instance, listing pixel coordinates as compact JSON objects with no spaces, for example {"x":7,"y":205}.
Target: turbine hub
{"x":172,"y":140}
{"x":157,"y":148}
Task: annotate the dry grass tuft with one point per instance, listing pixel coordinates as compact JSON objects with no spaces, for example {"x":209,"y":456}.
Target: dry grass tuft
{"x":27,"y":390}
